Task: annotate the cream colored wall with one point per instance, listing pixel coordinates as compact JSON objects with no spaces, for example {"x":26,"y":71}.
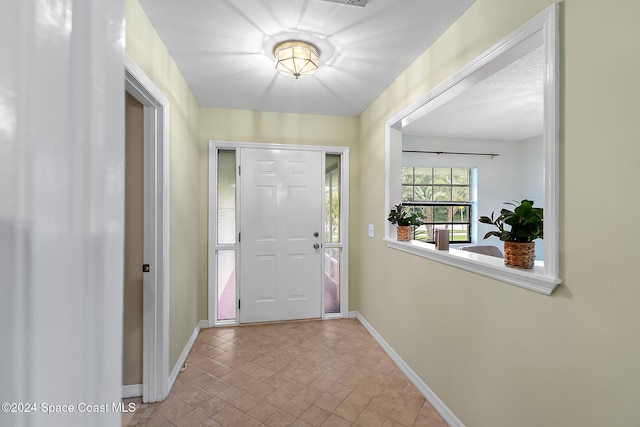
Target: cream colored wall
{"x":281,"y":128}
{"x":495,"y":354}
{"x":145,"y":47}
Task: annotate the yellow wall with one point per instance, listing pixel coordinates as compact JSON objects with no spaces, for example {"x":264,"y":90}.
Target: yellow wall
{"x":498,"y":355}
{"x":145,"y":47}
{"x":281,"y":128}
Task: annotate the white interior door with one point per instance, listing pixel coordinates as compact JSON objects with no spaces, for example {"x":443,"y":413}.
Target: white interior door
{"x":281,"y":239}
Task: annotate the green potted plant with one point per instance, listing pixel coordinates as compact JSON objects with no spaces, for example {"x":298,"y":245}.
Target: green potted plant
{"x":517,"y":228}
{"x":405,"y":220}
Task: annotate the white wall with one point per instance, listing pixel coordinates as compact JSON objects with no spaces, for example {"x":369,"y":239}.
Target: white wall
{"x":532,"y":177}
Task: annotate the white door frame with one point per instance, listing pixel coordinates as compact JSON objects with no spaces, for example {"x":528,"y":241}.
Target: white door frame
{"x":155,"y":335}
{"x":213,"y":246}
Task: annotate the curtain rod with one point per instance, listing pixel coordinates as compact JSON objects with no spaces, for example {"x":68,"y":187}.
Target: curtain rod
{"x":492,"y":155}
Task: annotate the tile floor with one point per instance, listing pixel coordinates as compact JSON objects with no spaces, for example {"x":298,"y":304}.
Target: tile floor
{"x":309,"y":373}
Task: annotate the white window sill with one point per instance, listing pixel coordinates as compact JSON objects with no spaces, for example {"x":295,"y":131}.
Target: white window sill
{"x":534,"y":279}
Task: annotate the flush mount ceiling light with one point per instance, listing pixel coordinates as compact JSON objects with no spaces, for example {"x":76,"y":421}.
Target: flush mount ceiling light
{"x":361,"y":3}
{"x":296,"y":58}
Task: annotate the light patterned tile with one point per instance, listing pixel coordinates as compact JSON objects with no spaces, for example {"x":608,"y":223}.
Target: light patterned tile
{"x":192,"y":373}
{"x":287,"y":373}
{"x":323,"y":383}
{"x":391,"y":423}
{"x":211,"y":406}
{"x":328,"y":402}
{"x":226,"y":416}
{"x":296,"y":406}
{"x":348,"y":411}
{"x":391,"y":394}
{"x":400,"y":415}
{"x":422,"y":421}
{"x":184,"y":390}
{"x":310,"y":393}
{"x":216,"y":387}
{"x":315,"y":416}
{"x":197,"y":397}
{"x":230,"y":394}
{"x":174,"y":412}
{"x":332,"y":373}
{"x":412,"y":404}
{"x":299,"y":374}
{"x":211,"y":423}
{"x":278,"y":398}
{"x":336,"y":421}
{"x":262,"y":374}
{"x":280,"y":418}
{"x":262,"y":390}
{"x":220,"y":371}
{"x":203,"y":380}
{"x":192,"y":419}
{"x":380,"y":406}
{"x":412,"y":391}
{"x":246,"y":421}
{"x":262,"y":411}
{"x":306,"y":376}
{"x":428,"y":411}
{"x":245,"y":402}
{"x":342,"y":365}
{"x":339,"y":390}
{"x":158,"y":420}
{"x":369,"y":419}
{"x":292,"y":387}
{"x":360,"y":397}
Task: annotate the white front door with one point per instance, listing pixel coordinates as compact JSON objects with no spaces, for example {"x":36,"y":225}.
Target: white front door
{"x":281,"y":235}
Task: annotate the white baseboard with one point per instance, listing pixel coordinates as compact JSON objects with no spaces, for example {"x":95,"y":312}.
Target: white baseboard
{"x":185,"y":352}
{"x":132,"y":390}
{"x":428,"y":394}
{"x":353,"y":315}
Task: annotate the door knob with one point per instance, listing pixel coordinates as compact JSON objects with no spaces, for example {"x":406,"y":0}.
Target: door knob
{"x":316,"y":246}
{"x":316,"y":234}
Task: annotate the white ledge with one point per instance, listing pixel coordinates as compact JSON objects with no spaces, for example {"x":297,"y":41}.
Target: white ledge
{"x":534,"y":279}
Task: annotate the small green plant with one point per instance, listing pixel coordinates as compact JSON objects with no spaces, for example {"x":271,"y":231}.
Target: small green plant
{"x":401,"y":216}
{"x":525,"y":223}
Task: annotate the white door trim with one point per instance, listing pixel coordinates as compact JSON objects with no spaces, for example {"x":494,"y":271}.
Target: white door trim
{"x":214,"y":146}
{"x":155,"y":357}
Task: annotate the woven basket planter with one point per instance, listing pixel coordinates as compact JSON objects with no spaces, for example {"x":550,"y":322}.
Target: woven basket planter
{"x":519,"y":255}
{"x":404,"y":233}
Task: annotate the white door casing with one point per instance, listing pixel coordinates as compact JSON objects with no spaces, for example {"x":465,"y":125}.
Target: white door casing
{"x":155,"y":359}
{"x":281,"y":235}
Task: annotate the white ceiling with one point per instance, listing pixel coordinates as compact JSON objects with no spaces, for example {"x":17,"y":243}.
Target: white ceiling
{"x":507,"y":105}
{"x":224,"y":48}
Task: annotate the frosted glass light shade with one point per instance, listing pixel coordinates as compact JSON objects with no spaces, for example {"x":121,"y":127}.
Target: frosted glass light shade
{"x":296,"y":58}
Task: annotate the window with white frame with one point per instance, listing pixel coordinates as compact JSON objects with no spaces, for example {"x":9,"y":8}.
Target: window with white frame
{"x":443,"y":196}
